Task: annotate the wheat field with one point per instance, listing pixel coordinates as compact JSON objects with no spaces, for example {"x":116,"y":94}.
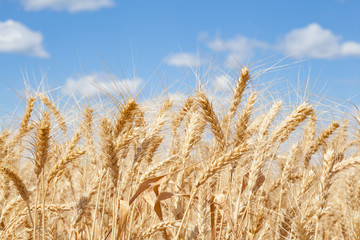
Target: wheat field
{"x":188,"y":172}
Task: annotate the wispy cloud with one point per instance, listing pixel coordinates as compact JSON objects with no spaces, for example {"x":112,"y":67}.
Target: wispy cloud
{"x":222,"y":82}
{"x":240,"y":47}
{"x":184,"y":60}
{"x":237,"y":44}
{"x":17,"y":38}
{"x":312,"y":41}
{"x":316,"y":42}
{"x":68,"y":5}
{"x":99,"y":83}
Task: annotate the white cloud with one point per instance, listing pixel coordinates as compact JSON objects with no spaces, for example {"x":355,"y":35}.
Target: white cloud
{"x":350,"y":49}
{"x":236,"y":44}
{"x":239,"y":47}
{"x":222,"y":82}
{"x":203,"y":36}
{"x":17,"y":38}
{"x":184,"y":60}
{"x":98,"y":84}
{"x":68,"y":5}
{"x":317,"y":42}
{"x":177,"y":97}
{"x":309,"y":41}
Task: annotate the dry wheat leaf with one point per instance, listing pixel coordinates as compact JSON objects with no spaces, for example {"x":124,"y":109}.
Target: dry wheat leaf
{"x":157,"y":206}
{"x":124,"y":212}
{"x":245,"y":182}
{"x":144,"y":186}
{"x":259,"y":182}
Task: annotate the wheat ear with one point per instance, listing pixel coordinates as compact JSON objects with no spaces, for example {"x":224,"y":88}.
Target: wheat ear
{"x":325,"y":184}
{"x":26,"y":119}
{"x":109,"y":150}
{"x":269,"y":118}
{"x":158,"y":227}
{"x":127,"y":114}
{"x":320,"y":140}
{"x":54,"y":110}
{"x":211,"y":118}
{"x":288,"y":125}
{"x":238,"y":93}
{"x":19,"y":185}
{"x":87,"y":127}
{"x":243,"y":119}
{"x":42,"y":143}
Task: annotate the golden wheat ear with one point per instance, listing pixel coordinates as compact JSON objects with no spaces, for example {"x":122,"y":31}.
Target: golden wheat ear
{"x":54,"y":110}
{"x":19,"y":185}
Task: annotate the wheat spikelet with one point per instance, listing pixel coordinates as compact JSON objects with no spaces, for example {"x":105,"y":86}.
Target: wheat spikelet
{"x":192,"y":135}
{"x":267,"y":120}
{"x":310,"y":129}
{"x":320,"y":140}
{"x":346,"y":164}
{"x":3,"y":137}
{"x":126,"y":115}
{"x":176,"y":121}
{"x":152,"y":133}
{"x":140,"y":118}
{"x":74,"y":141}
{"x":189,"y":103}
{"x":243,"y":119}
{"x":41,"y":157}
{"x":161,"y":118}
{"x":7,"y":147}
{"x":158,"y":227}
{"x":325,"y":183}
{"x":87,"y":129}
{"x":26,"y":119}
{"x":211,"y":118}
{"x":83,"y":202}
{"x":109,"y":150}
{"x":54,"y":110}
{"x":218,"y":164}
{"x":4,"y":145}
{"x":17,"y":181}
{"x":339,"y":142}
{"x":19,"y":185}
{"x":239,"y":90}
{"x":126,"y":139}
{"x":59,"y":167}
{"x":288,"y":125}
{"x":9,"y":207}
{"x":42,"y":144}
{"x":238,"y":93}
{"x":155,"y":144}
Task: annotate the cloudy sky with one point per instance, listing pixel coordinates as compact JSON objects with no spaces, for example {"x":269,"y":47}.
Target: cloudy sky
{"x":82,"y":46}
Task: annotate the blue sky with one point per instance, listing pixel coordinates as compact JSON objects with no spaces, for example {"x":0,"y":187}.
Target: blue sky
{"x":155,"y":43}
